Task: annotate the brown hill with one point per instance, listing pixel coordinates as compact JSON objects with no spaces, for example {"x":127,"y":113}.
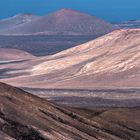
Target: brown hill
{"x":27,"y":117}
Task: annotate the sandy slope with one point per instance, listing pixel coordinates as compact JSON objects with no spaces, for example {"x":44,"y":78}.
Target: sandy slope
{"x":109,"y":61}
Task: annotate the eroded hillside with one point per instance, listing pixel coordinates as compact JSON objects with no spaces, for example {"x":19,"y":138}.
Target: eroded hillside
{"x":24,"y":116}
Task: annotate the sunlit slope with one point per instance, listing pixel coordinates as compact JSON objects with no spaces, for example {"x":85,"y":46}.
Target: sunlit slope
{"x":111,"y":60}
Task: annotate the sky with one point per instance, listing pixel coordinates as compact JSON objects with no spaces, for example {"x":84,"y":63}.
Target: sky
{"x":109,"y":10}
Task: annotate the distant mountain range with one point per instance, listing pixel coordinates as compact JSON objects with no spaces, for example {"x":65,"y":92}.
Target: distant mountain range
{"x":62,"y":22}
{"x":129,"y":24}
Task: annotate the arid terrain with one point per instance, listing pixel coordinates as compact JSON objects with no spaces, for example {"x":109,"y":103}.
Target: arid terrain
{"x":88,"y":92}
{"x":69,"y":70}
{"x":27,"y":117}
{"x":111,"y":61}
{"x":103,"y":72}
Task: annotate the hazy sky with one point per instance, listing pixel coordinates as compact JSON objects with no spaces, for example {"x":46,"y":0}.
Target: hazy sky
{"x":110,"y":10}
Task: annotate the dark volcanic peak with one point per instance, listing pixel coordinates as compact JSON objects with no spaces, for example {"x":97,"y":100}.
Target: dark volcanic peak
{"x":70,"y":14}
{"x":63,"y":22}
{"x":68,"y":11}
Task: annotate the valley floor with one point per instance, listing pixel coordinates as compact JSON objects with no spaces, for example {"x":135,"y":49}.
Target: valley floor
{"x":127,"y":97}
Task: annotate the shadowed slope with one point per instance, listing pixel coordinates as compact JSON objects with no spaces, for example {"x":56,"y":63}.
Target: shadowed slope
{"x":24,"y":116}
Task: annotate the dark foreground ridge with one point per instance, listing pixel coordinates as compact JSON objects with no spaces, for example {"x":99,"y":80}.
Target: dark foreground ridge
{"x":26,"y":117}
